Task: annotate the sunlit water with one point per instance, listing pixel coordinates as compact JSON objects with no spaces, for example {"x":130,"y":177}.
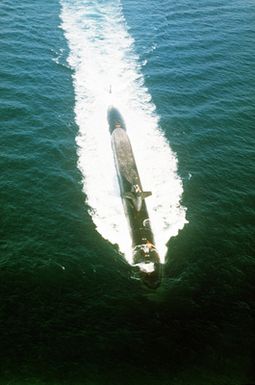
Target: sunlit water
{"x":68,"y":303}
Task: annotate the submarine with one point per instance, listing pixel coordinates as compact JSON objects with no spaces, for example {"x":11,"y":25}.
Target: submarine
{"x":145,"y":256}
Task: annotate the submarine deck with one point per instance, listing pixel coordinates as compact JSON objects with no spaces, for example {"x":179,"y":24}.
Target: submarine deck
{"x":125,"y":156}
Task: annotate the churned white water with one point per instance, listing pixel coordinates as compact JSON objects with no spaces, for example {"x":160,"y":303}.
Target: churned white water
{"x":102,"y":56}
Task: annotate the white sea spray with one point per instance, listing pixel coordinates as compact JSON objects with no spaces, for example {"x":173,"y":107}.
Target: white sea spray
{"x":102,"y":56}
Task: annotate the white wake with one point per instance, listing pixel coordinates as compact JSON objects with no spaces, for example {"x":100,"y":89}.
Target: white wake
{"x":102,"y":56}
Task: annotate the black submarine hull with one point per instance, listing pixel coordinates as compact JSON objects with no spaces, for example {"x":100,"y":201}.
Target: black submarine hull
{"x":145,"y":255}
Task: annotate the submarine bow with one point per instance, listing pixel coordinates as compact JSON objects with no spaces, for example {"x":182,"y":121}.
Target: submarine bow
{"x":145,"y":255}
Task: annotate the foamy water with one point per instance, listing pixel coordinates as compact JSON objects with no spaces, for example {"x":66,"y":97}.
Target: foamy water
{"x":102,"y":55}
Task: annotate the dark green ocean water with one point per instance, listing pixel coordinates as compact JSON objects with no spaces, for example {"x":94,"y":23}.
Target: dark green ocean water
{"x":70,"y":312}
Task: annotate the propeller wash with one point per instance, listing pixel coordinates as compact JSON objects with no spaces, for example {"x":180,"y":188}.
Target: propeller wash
{"x":102,"y":57}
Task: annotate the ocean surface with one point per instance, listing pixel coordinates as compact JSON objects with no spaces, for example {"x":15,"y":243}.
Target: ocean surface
{"x":182,"y":74}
